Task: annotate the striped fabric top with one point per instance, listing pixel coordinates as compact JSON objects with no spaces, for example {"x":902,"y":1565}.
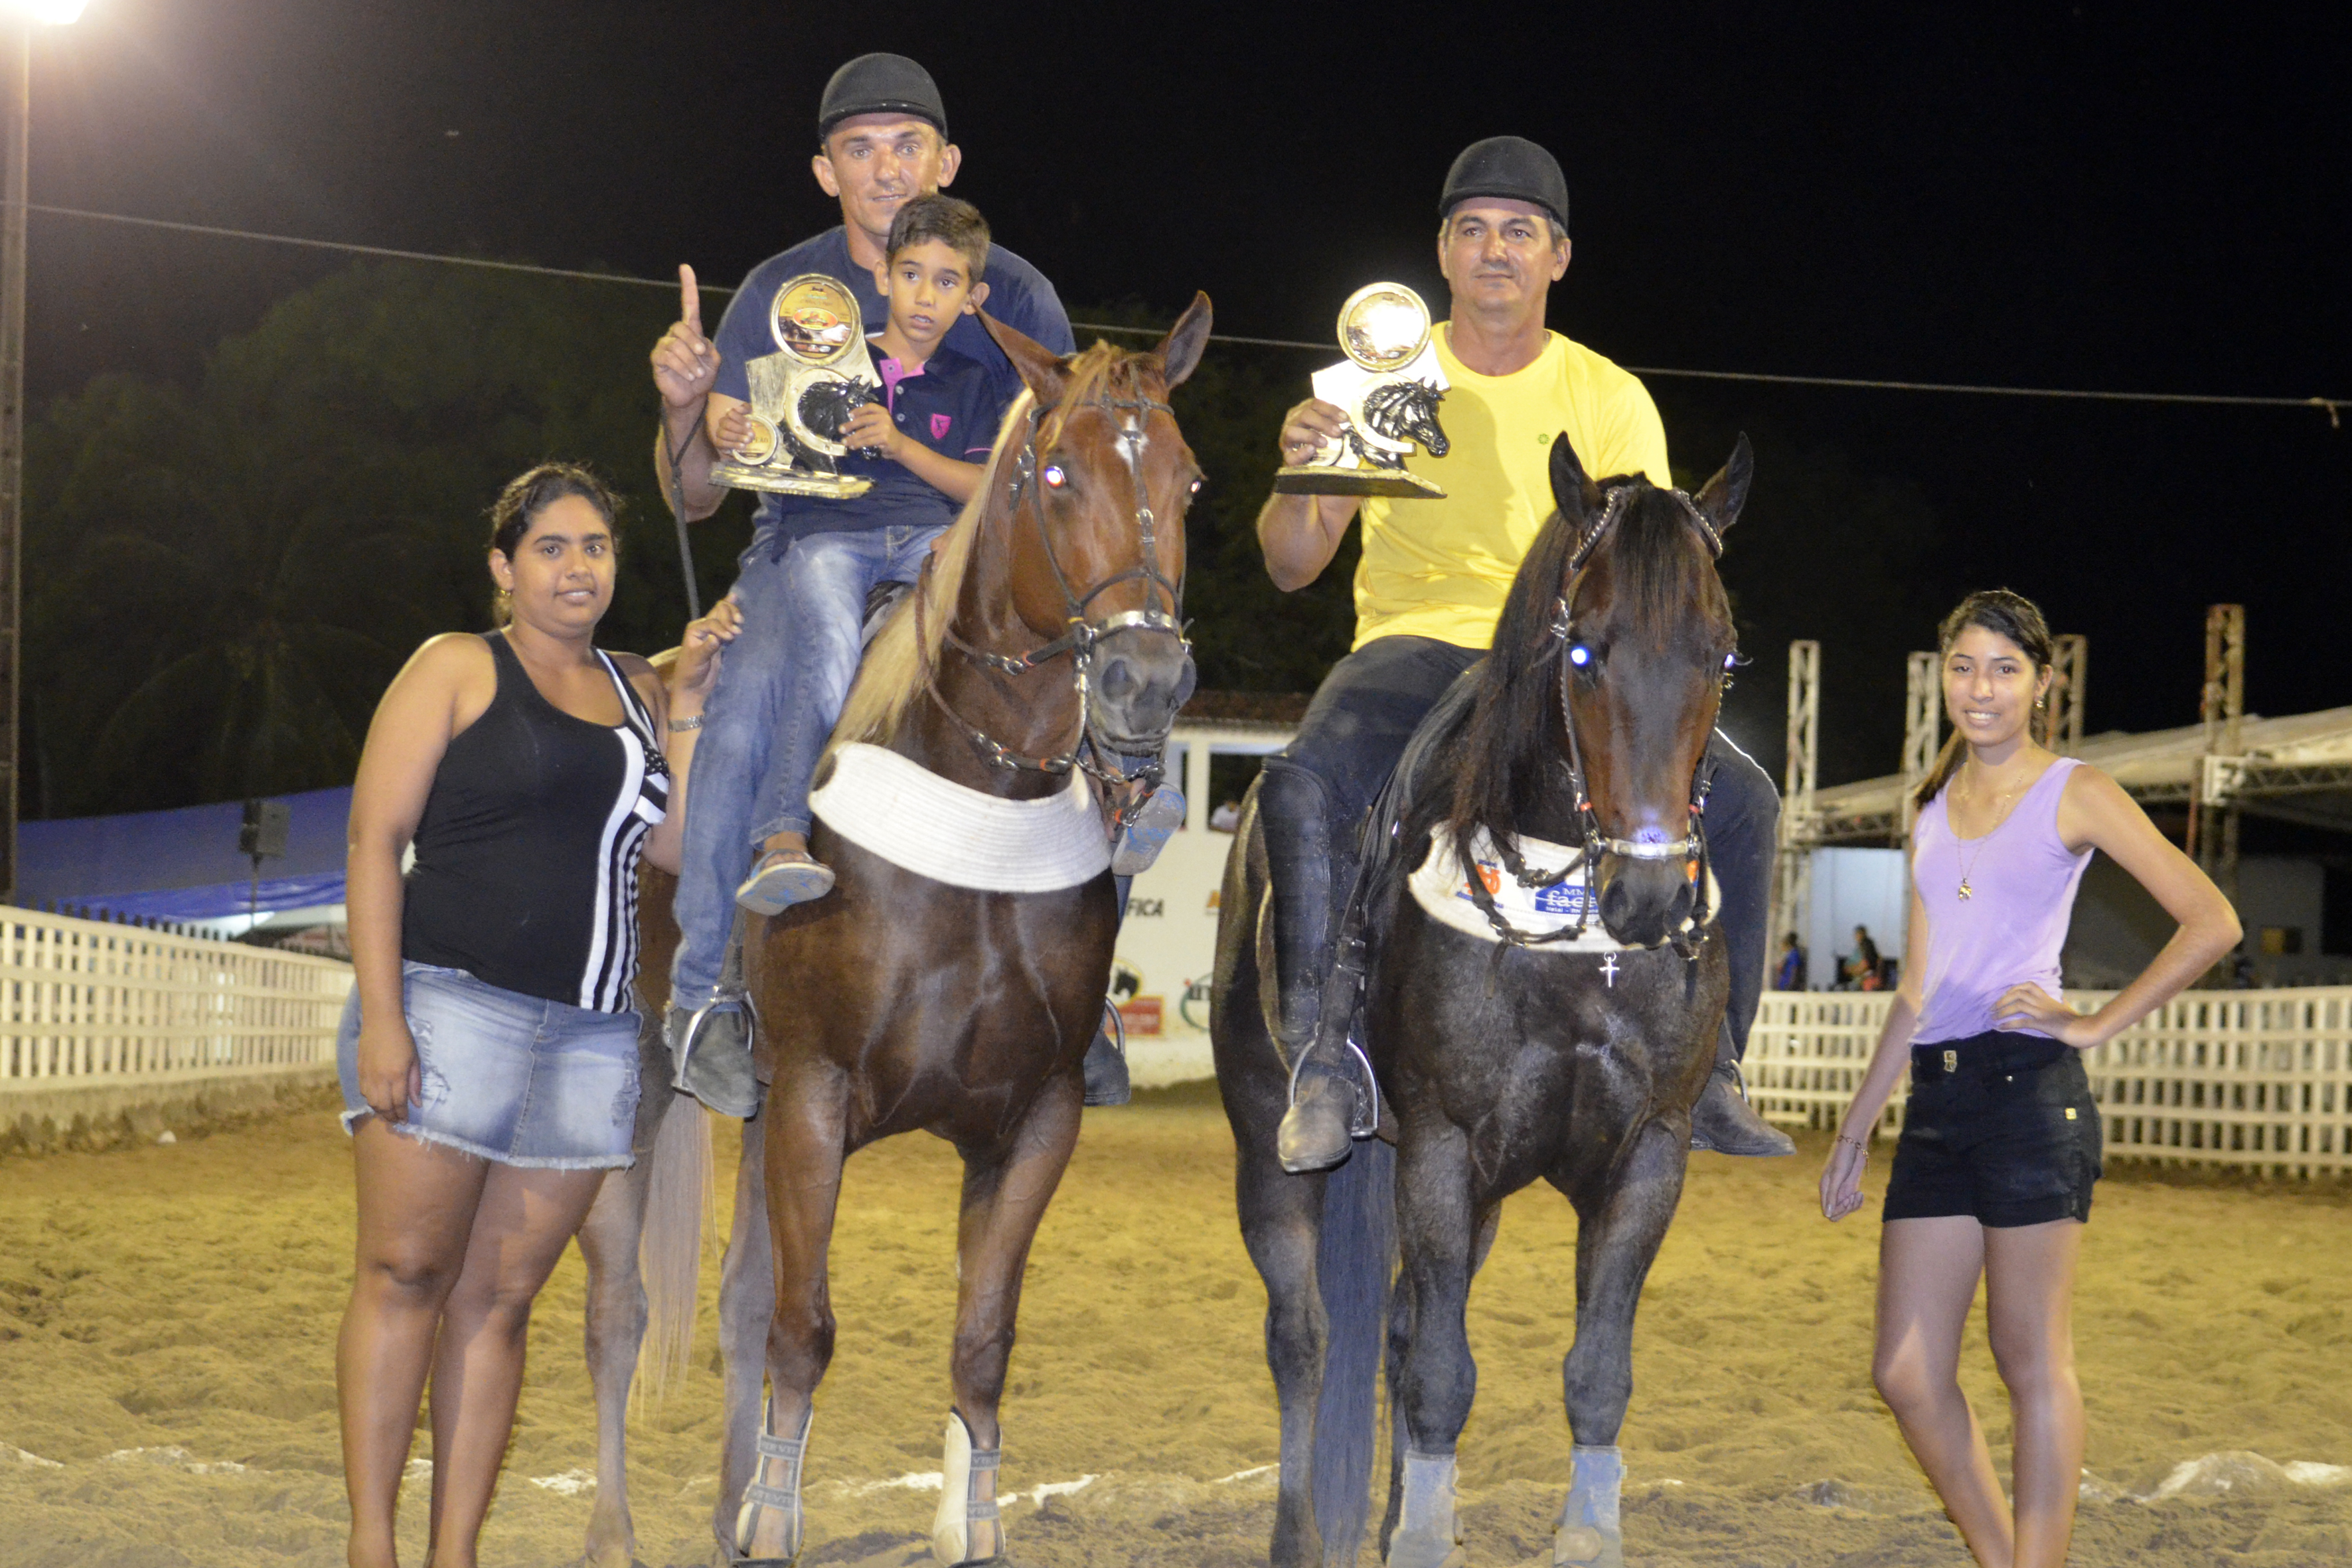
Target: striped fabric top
{"x":526,"y":870}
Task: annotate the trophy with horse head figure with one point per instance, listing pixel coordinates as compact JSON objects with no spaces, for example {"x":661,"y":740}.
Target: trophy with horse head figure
{"x":804,"y":393}
{"x":1389,"y":386}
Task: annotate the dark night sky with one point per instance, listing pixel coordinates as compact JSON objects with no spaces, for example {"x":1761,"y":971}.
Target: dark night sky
{"x":2119,"y":195}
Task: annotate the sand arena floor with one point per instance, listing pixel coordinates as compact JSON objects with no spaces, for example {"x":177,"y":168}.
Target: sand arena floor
{"x":167,"y":1317}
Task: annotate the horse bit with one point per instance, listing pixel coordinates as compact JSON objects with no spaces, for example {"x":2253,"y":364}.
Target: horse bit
{"x":1691,"y":847}
{"x":1091,"y":744}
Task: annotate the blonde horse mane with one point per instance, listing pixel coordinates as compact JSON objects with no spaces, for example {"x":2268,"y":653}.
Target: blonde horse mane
{"x":907,"y":646}
{"x":906,"y":649}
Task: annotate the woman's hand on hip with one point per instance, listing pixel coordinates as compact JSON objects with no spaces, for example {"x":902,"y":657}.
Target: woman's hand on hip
{"x":391,"y":1078}
{"x":2028,"y":1006}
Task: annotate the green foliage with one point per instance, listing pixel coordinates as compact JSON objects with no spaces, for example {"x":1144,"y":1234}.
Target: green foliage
{"x":221,"y":580}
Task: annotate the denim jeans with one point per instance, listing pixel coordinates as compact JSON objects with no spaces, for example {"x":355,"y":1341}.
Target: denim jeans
{"x":780,"y":691}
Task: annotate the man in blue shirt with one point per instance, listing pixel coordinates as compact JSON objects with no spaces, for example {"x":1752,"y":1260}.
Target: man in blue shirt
{"x":883,"y":141}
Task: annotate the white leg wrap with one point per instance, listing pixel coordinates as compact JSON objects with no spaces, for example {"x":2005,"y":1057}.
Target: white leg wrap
{"x":1427,"y":1534}
{"x":784,"y":1496}
{"x":967,"y":1529}
{"x":1589,"y":1535}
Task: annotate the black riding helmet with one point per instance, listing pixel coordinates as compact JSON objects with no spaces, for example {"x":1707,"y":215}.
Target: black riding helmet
{"x":1509,"y":166}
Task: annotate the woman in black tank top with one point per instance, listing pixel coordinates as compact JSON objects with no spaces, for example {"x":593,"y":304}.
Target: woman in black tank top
{"x":488,"y":1052}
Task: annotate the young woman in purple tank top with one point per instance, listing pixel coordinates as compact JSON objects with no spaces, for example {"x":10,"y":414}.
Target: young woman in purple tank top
{"x":2001,"y":1137}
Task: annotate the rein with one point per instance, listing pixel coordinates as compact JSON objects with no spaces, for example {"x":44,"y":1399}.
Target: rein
{"x":1690,"y":849}
{"x":1088,"y":747}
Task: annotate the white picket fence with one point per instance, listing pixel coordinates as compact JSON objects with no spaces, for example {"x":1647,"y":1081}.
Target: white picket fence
{"x":88,"y":1003}
{"x":2251,"y":1079}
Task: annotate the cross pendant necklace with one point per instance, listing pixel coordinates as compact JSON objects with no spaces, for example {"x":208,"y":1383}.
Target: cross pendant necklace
{"x":1970,"y":863}
{"x":1609,"y":971}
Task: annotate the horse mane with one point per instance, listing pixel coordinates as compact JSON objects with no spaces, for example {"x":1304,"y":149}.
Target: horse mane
{"x":906,"y":649}
{"x":1504,"y":745}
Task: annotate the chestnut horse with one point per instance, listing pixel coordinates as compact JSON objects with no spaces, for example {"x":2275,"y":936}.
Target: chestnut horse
{"x":898,"y":1002}
{"x":1045,"y":642}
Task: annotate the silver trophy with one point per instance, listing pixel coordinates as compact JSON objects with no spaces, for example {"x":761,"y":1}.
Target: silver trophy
{"x":1390,"y":384}
{"x":804,"y":393}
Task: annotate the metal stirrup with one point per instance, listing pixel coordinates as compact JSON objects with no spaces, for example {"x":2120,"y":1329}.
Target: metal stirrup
{"x":1366,"y":1118}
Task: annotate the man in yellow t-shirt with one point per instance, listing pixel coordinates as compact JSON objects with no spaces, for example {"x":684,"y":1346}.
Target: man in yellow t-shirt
{"x":1431,"y":586}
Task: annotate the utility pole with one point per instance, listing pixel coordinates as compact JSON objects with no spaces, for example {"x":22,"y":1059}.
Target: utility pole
{"x":262,"y":838}
{"x":17,"y":32}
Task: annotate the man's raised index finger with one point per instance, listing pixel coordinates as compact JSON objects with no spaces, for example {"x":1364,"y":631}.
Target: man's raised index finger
{"x":689,"y":298}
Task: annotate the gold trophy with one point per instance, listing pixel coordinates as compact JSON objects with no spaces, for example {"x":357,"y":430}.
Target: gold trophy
{"x":1390,"y":384}
{"x":804,"y":393}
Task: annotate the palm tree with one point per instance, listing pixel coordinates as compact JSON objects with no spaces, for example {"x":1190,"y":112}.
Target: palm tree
{"x":222,"y":579}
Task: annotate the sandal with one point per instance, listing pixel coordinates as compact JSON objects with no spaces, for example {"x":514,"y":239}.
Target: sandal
{"x":784,"y":878}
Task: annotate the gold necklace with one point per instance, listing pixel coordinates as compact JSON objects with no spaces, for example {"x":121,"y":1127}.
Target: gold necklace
{"x":1968,"y":863}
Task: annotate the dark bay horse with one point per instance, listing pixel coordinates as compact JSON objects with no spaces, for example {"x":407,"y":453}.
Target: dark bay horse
{"x":1045,"y":641}
{"x":1566,"y":773}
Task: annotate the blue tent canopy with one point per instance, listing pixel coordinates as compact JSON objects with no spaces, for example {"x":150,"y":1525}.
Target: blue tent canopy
{"x":184,"y":865}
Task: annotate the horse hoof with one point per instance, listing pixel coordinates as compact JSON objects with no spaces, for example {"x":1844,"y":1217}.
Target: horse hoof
{"x":1404,"y":1551}
{"x":1581,"y":1546}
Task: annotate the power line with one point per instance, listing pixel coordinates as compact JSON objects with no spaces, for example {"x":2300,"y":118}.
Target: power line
{"x":2328,"y":405}
{"x":348,"y":248}
{"x":2325,"y":405}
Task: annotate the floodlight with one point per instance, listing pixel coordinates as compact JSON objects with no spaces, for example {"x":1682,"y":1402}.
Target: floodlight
{"x":52,"y":11}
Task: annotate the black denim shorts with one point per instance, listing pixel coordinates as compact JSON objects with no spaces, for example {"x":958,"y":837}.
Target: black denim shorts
{"x":1998,"y":1126}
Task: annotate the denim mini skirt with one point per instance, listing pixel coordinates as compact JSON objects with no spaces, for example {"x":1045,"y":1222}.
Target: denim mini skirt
{"x":514,"y":1079}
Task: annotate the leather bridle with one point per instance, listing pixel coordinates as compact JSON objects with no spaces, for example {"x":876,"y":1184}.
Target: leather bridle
{"x":1091,"y":750}
{"x":1592,"y":843}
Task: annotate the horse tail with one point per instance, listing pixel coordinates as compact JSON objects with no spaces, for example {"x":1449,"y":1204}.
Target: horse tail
{"x":1354,"y":1263}
{"x":677,"y":1194}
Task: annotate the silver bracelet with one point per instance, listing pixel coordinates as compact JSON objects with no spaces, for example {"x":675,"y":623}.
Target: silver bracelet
{"x":682,"y":726}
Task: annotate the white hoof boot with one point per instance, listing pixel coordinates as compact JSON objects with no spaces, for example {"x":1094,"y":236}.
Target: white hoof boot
{"x":1427,"y":1535}
{"x":1587,"y":1535}
{"x":967,"y":1529}
{"x":783,"y":1498}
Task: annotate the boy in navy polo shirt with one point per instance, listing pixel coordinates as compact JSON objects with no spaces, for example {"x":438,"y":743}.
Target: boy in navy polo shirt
{"x":923,"y":446}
